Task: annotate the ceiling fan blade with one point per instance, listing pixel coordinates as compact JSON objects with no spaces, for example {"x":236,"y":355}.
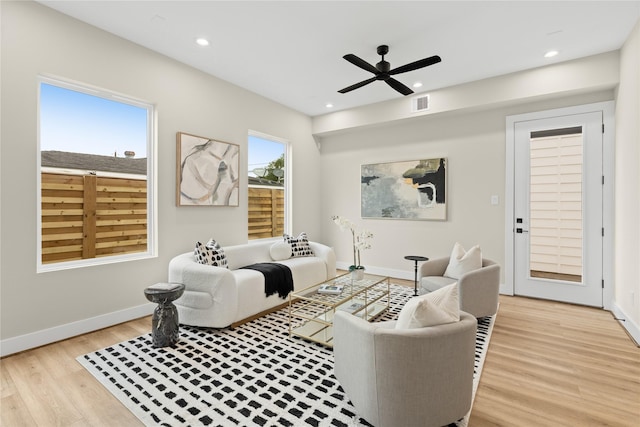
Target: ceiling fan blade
{"x":399,"y":86}
{"x":416,"y":65}
{"x":357,"y":85}
{"x":360,"y":63}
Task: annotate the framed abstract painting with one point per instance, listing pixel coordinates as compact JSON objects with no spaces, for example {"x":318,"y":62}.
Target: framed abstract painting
{"x":414,"y":190}
{"x":207,"y":171}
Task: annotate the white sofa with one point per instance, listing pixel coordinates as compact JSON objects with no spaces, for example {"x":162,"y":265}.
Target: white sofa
{"x":219,"y":297}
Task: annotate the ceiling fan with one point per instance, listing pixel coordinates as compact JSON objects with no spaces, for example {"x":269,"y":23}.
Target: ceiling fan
{"x":383,"y":70}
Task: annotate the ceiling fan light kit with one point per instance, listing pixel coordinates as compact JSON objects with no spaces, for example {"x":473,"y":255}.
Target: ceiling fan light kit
{"x":383,"y":71}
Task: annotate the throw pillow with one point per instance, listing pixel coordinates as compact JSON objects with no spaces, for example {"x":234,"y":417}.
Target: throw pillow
{"x":210,"y":254}
{"x":280,"y":251}
{"x":435,"y":308}
{"x":299,"y":245}
{"x":462,"y":262}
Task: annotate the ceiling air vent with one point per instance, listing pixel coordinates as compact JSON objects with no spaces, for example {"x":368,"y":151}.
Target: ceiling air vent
{"x":420,"y":103}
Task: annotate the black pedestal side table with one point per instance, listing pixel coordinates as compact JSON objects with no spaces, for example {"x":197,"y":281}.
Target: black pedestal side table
{"x":415,"y":259}
{"x":164,"y":325}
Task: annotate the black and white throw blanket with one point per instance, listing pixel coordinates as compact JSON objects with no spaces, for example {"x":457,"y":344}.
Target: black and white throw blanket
{"x":253,"y":375}
{"x":277,"y":278}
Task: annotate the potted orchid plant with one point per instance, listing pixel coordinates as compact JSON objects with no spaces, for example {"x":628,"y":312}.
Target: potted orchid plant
{"x":360,"y":241}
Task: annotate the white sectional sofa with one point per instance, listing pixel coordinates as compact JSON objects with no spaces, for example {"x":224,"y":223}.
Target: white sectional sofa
{"x":218,"y":297}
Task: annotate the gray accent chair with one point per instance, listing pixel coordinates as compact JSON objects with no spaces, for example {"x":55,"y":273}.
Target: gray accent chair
{"x":406,"y":377}
{"x":478,"y":290}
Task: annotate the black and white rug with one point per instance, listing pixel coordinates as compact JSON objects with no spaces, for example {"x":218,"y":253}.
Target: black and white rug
{"x":253,"y":375}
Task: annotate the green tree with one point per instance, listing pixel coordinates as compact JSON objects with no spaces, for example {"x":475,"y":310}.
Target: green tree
{"x":275,"y":170}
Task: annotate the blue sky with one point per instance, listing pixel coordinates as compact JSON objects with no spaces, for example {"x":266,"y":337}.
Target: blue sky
{"x":262,"y":152}
{"x":81,"y":123}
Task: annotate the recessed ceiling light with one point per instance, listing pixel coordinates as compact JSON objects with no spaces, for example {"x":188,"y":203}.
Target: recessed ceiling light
{"x":329,"y":105}
{"x":202,"y":41}
{"x":417,"y":84}
{"x":551,"y":54}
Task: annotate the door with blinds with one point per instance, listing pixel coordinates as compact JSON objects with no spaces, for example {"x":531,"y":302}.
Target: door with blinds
{"x":558,"y":208}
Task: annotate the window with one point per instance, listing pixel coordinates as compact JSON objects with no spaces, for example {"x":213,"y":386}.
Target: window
{"x":555,"y":218}
{"x":268,"y":169}
{"x":96,"y":180}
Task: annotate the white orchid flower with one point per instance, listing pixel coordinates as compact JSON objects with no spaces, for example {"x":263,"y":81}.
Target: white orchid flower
{"x":359,"y":239}
{"x":362,"y":245}
{"x":365,"y":234}
{"x":343,"y":223}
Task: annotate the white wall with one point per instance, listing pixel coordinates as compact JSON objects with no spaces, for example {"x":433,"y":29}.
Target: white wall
{"x":37,"y":308}
{"x":40,"y":307}
{"x":464,"y":123}
{"x":472,"y":137}
{"x":473,"y":142}
{"x":558,"y":80}
{"x":627,"y":193}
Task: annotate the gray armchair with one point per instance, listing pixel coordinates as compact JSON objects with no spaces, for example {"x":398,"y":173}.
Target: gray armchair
{"x":478,"y":289}
{"x":406,"y":377}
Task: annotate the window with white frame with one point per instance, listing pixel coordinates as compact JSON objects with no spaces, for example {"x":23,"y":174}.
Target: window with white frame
{"x":95,"y":176}
{"x":269,"y":183}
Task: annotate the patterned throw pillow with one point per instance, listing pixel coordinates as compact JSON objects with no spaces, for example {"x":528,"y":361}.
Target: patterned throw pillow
{"x":210,"y":254}
{"x":299,"y":245}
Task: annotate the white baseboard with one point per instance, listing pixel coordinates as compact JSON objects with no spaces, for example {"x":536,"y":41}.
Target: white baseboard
{"x":628,"y":324}
{"x":58,"y":333}
{"x":506,"y":289}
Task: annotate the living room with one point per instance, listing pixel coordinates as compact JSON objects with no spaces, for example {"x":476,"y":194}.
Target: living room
{"x":39,"y":308}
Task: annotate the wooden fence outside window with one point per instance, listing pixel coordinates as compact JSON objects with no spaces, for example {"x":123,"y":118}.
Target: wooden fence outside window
{"x":89,"y":216}
{"x":266,"y":212}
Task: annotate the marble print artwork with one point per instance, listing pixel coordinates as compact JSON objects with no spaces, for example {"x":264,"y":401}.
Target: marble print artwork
{"x":207,"y":172}
{"x":404,"y":190}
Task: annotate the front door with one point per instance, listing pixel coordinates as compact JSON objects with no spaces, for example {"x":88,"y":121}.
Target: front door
{"x":558,"y":185}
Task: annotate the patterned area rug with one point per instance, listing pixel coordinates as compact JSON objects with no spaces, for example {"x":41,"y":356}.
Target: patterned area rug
{"x":253,"y":375}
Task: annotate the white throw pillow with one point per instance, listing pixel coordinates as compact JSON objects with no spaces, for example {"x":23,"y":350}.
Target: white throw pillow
{"x":462,"y":262}
{"x":280,"y":251}
{"x":435,"y":308}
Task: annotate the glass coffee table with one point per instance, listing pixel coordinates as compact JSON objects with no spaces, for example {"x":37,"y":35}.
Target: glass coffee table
{"x":311,"y":311}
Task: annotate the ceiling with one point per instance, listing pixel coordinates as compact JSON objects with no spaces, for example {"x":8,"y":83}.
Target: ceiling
{"x":291,"y":51}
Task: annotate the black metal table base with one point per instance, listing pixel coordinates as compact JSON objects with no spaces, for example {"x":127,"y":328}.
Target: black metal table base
{"x":415,"y":259}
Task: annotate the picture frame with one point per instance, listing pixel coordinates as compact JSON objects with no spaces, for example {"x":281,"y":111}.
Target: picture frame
{"x":207,"y":171}
{"x":409,"y":190}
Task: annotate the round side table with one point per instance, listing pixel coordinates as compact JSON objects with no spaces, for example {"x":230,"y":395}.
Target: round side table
{"x":165,"y":330}
{"x":415,"y":259}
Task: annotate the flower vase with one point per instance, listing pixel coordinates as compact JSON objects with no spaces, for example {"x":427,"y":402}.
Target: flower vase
{"x":357,"y":274}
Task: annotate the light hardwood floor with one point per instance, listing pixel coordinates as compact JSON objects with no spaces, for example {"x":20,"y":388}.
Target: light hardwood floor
{"x":554,"y":364}
{"x":548,"y":364}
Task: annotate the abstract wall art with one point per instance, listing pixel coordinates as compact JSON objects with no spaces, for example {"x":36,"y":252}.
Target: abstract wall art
{"x":414,"y":190}
{"x":207,"y":171}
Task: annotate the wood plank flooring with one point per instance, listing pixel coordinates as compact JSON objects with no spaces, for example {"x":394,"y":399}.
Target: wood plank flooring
{"x":554,"y":364}
{"x":549,"y":364}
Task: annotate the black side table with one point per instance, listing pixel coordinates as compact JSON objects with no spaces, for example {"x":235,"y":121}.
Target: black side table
{"x":415,"y":258}
{"x":164,"y":325}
